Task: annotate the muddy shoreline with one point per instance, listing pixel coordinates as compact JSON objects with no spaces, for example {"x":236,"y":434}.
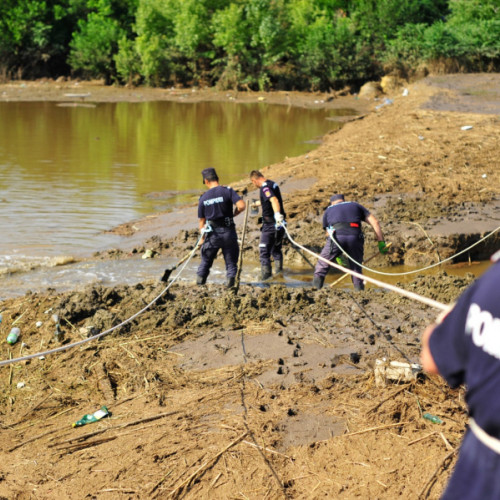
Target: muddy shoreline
{"x":269,"y":392}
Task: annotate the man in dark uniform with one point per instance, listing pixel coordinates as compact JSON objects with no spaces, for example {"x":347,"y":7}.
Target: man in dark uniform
{"x":273,"y":213}
{"x":215,"y":209}
{"x":464,"y":347}
{"x":345,"y":218}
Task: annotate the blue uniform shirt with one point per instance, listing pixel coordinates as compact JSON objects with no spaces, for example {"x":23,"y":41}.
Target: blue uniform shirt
{"x":346,"y":211}
{"x":466,"y":348}
{"x":267,"y":191}
{"x":217,"y":203}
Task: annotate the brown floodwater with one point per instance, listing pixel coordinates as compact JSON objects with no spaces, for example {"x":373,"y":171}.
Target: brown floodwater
{"x":70,"y":171}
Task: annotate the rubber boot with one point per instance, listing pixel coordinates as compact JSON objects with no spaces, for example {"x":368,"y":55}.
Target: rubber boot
{"x":278,"y":266}
{"x":266,"y":273}
{"x":201,"y":280}
{"x":359,"y":287}
{"x":318,"y":282}
{"x":230,"y":282}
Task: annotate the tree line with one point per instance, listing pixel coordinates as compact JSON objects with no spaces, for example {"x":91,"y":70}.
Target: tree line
{"x":255,"y":44}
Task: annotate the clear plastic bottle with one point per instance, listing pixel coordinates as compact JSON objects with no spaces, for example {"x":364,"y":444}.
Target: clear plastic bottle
{"x":13,"y":336}
{"x":92,"y":417}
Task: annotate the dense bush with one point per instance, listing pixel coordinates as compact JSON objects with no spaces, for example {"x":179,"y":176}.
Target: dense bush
{"x":257,"y":44}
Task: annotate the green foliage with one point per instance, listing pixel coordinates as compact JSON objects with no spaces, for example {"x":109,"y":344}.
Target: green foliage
{"x":127,"y":61}
{"x":470,"y":36}
{"x":25,"y":31}
{"x":259,"y":44}
{"x":93,"y":45}
{"x":155,"y":32}
{"x":472,"y":11}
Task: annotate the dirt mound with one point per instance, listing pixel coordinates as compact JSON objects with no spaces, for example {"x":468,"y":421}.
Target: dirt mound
{"x":213,"y":392}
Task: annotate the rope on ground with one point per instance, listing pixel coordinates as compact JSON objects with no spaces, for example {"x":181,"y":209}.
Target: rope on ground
{"x":387,"y":286}
{"x":99,"y":335}
{"x":416,"y":270}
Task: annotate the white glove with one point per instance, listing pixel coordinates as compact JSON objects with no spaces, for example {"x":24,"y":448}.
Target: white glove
{"x":278,"y":217}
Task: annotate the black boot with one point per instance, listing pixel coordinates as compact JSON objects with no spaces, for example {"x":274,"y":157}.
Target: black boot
{"x":201,"y":280}
{"x":318,"y":282}
{"x":359,"y":287}
{"x":230,"y":282}
{"x":266,"y":273}
{"x":278,"y":266}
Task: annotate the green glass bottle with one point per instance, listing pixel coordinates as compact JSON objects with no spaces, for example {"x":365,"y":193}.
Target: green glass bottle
{"x":432,"y":418}
{"x":92,"y":417}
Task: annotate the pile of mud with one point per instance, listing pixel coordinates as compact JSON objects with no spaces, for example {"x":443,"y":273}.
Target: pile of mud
{"x":266,"y":392}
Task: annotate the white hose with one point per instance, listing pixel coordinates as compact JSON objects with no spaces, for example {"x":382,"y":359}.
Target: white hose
{"x":416,"y":270}
{"x":99,"y":335}
{"x":387,"y":286}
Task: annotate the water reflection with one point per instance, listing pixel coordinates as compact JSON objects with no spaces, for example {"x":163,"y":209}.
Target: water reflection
{"x":67,"y":173}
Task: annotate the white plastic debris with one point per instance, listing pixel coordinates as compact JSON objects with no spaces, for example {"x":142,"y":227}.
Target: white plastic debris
{"x":484,"y":176}
{"x":466,"y":127}
{"x":20,"y":385}
{"x":395,"y":371}
{"x":405,"y":92}
{"x":39,"y":324}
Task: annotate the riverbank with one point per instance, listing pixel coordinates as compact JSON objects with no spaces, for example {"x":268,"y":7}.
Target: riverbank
{"x":268,"y":393}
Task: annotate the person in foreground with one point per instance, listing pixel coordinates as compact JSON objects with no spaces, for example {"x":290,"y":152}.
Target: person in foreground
{"x":344,"y":218}
{"x":273,"y":213}
{"x":464,"y":348}
{"x":215,"y":209}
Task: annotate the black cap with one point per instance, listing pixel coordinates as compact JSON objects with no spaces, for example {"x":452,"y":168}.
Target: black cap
{"x":336,"y":197}
{"x":210,"y":174}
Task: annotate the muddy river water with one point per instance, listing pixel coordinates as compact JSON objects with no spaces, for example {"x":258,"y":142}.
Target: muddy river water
{"x":71,"y":171}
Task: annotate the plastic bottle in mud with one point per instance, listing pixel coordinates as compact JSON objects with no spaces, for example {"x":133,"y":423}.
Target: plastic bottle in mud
{"x":13,"y":336}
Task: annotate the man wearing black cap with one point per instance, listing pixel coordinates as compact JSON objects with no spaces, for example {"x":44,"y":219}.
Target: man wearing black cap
{"x":273,"y":213}
{"x":344,"y":219}
{"x":215,"y":209}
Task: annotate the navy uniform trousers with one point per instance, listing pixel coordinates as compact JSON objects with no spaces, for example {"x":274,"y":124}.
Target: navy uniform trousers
{"x":271,"y":242}
{"x":224,"y":238}
{"x":352,"y":243}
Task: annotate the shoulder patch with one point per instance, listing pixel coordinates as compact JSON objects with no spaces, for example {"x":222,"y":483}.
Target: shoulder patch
{"x":267,"y":192}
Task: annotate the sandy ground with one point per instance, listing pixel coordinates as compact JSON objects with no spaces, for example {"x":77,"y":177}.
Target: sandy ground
{"x":269,"y":392}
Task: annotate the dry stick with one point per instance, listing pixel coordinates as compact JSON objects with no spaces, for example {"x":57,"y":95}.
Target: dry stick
{"x":206,"y":465}
{"x":240,"y":263}
{"x":32,"y":439}
{"x":446,"y":442}
{"x":267,"y":449}
{"x":11,"y":372}
{"x":422,"y":438}
{"x":395,"y":393}
{"x":375,"y":429}
{"x":435,"y":473}
{"x":122,"y":490}
{"x":159,"y":483}
{"x":81,"y":446}
{"x":344,"y":276}
{"x":17,"y":319}
{"x":122,"y":426}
